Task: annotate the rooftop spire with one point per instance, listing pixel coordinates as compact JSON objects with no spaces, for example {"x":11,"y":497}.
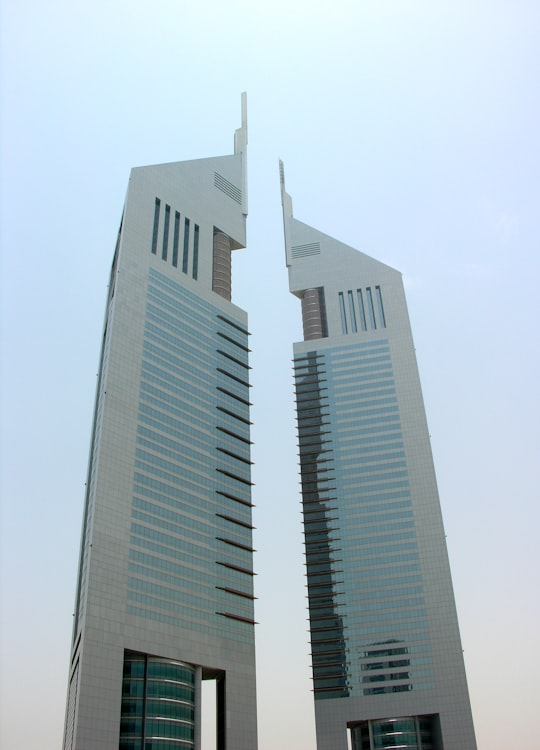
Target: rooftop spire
{"x":240,"y":147}
{"x":286,"y":202}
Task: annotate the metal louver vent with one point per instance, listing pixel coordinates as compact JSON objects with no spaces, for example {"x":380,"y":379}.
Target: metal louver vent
{"x":300,"y":251}
{"x":227,"y":187}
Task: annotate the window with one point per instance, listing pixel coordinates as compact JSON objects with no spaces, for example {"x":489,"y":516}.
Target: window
{"x":195,"y":251}
{"x":166,"y":232}
{"x":175,"y":239}
{"x":186,"y":246}
{"x":343,"y":314}
{"x":156,"y":226}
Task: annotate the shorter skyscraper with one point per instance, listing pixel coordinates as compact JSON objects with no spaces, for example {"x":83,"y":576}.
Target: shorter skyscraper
{"x":386,"y":652}
{"x":165,"y":589}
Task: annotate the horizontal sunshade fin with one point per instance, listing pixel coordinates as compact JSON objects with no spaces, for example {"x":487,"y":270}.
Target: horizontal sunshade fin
{"x":233,"y":341}
{"x":233,"y":359}
{"x":232,"y":414}
{"x":237,"y":617}
{"x":235,"y":476}
{"x":233,"y":395}
{"x":235,"y":498}
{"x":234,"y":325}
{"x":235,"y":455}
{"x":235,"y":544}
{"x":235,"y":520}
{"x":236,"y":592}
{"x":233,"y":435}
{"x":233,"y":377}
{"x":236,"y":567}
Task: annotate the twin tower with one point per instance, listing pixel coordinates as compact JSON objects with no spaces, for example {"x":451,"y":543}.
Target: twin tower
{"x":165,"y":585}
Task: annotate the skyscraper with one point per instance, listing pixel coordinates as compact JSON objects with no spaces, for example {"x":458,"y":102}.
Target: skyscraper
{"x":386,"y":653}
{"x":165,"y":588}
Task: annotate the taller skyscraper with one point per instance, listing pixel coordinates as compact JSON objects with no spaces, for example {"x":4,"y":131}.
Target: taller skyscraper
{"x":165,"y":589}
{"x":386,"y":652}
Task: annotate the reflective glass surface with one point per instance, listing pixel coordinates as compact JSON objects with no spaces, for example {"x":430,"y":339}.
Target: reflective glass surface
{"x":158,"y":703}
{"x":359,"y":522}
{"x":191,"y":535}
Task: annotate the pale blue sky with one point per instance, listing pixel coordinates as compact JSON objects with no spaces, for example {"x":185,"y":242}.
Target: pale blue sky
{"x":409,"y":129}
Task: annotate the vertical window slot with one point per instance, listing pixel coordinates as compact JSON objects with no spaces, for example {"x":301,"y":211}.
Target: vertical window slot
{"x":380,"y":306}
{"x":352,"y":311}
{"x":166,"y":232}
{"x":362,"y":309}
{"x":195,"y":251}
{"x":175,"y":239}
{"x":156,"y":226}
{"x":186,"y":246}
{"x":343,"y":314}
{"x":371,"y":308}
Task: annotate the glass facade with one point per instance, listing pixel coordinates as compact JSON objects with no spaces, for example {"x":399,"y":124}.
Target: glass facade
{"x":408,"y":733}
{"x":190,"y":552}
{"x":358,"y":523}
{"x":158,"y":704}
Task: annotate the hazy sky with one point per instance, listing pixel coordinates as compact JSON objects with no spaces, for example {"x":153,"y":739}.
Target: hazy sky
{"x":409,"y":129}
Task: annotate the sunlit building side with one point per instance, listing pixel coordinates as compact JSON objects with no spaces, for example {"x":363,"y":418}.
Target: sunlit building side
{"x":165,"y":588}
